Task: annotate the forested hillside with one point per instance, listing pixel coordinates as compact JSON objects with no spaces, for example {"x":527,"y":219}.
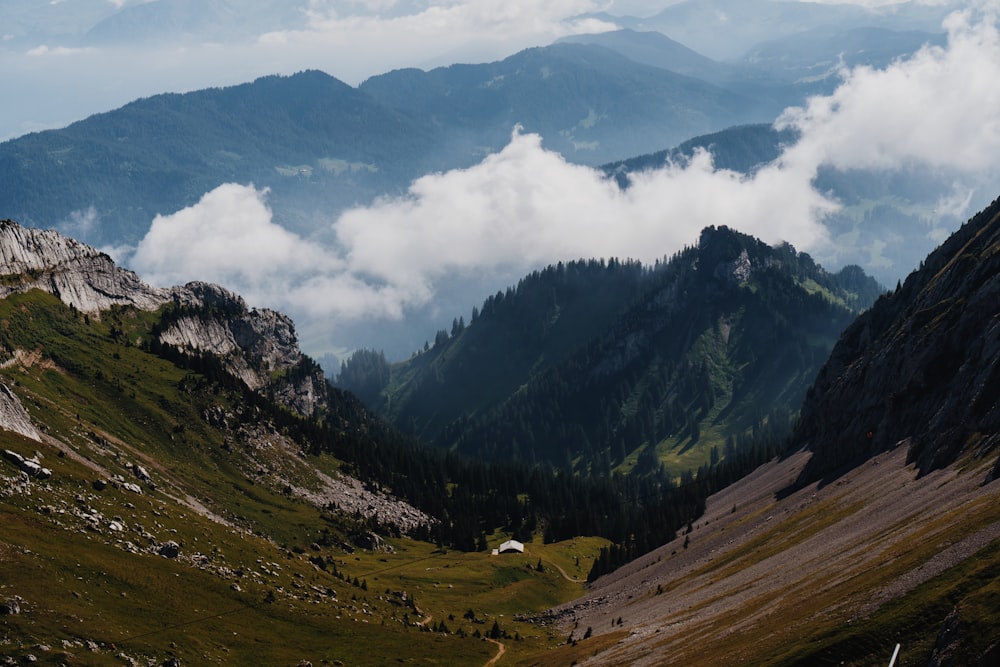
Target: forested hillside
{"x":310,"y":137}
{"x":596,"y":367}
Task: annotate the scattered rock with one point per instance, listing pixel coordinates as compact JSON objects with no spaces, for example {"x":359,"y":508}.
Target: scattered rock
{"x":11,"y":606}
{"x":100,"y":484}
{"x":169,"y":549}
{"x":134,"y":488}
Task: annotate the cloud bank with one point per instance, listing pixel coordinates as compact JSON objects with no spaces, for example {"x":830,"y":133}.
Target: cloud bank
{"x":525,"y":207}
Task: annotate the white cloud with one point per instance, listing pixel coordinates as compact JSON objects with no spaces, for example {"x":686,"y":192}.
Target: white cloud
{"x":80,"y":222}
{"x":45,"y":50}
{"x":525,"y":206}
{"x":519,"y":209}
{"x":940,"y":107}
{"x":227,"y":237}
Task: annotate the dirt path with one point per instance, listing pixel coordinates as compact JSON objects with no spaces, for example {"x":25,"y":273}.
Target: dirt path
{"x":427,"y":619}
{"x":500,"y":652}
{"x":563,"y":573}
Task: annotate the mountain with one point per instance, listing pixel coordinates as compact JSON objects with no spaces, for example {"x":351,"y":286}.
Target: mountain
{"x":310,"y":138}
{"x":596,"y":366}
{"x":743,"y":149}
{"x":656,"y":49}
{"x":816,"y":54}
{"x":589,"y":103}
{"x":728,"y":29}
{"x":920,"y":370}
{"x":180,"y":484}
{"x":876,"y":534}
{"x":259,"y":347}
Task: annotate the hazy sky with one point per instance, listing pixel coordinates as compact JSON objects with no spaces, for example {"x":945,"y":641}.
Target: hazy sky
{"x":526,"y":207}
{"x":60,"y":74}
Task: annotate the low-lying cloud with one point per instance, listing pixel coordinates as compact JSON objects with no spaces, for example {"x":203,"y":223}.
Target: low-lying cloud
{"x":525,"y":207}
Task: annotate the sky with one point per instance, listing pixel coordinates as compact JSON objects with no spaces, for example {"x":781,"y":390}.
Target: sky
{"x":525,"y":206}
{"x":61,"y":75}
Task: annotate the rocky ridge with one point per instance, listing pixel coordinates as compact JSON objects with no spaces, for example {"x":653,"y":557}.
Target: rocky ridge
{"x":259,"y":346}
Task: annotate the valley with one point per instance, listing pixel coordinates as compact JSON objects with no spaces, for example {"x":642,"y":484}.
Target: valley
{"x":630,"y":340}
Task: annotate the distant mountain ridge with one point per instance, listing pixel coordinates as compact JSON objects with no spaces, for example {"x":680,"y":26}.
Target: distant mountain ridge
{"x":589,"y":103}
{"x":320,"y":145}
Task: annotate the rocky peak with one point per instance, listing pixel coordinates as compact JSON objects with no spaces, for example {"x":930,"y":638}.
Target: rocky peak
{"x":79,"y":275}
{"x":259,"y":346}
{"x":921,"y":368}
{"x":729,"y":257}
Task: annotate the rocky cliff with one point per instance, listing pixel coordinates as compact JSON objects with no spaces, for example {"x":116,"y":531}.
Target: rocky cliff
{"x":921,"y":368}
{"x":81,"y":276}
{"x":258,"y":346}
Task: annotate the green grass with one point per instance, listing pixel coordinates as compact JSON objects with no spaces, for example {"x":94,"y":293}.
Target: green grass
{"x":110,"y":404}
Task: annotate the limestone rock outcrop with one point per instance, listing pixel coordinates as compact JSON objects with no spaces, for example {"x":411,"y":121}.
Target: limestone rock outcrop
{"x":257,"y":345}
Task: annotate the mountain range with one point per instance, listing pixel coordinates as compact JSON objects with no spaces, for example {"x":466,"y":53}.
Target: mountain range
{"x":317,"y":146}
{"x":726,"y":455}
{"x":160,"y":463}
{"x":321,"y":145}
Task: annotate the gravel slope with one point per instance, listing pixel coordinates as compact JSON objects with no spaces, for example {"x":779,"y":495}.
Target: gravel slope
{"x":759,"y":570}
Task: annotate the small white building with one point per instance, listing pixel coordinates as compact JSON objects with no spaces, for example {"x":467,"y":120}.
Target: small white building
{"x":511,"y":546}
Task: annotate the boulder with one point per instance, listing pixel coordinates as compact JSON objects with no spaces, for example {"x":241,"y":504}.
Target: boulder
{"x":169,"y":549}
{"x":10,"y":607}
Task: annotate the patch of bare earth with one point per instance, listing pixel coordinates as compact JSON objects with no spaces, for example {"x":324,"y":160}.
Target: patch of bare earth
{"x":759,"y":571}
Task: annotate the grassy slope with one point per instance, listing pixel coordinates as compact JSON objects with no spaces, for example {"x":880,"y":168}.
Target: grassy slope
{"x":242,"y":591}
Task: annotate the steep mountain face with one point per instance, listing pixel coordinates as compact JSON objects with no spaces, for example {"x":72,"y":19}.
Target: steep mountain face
{"x":81,"y":276}
{"x":921,"y":369}
{"x":672,"y":362}
{"x":258,"y":346}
